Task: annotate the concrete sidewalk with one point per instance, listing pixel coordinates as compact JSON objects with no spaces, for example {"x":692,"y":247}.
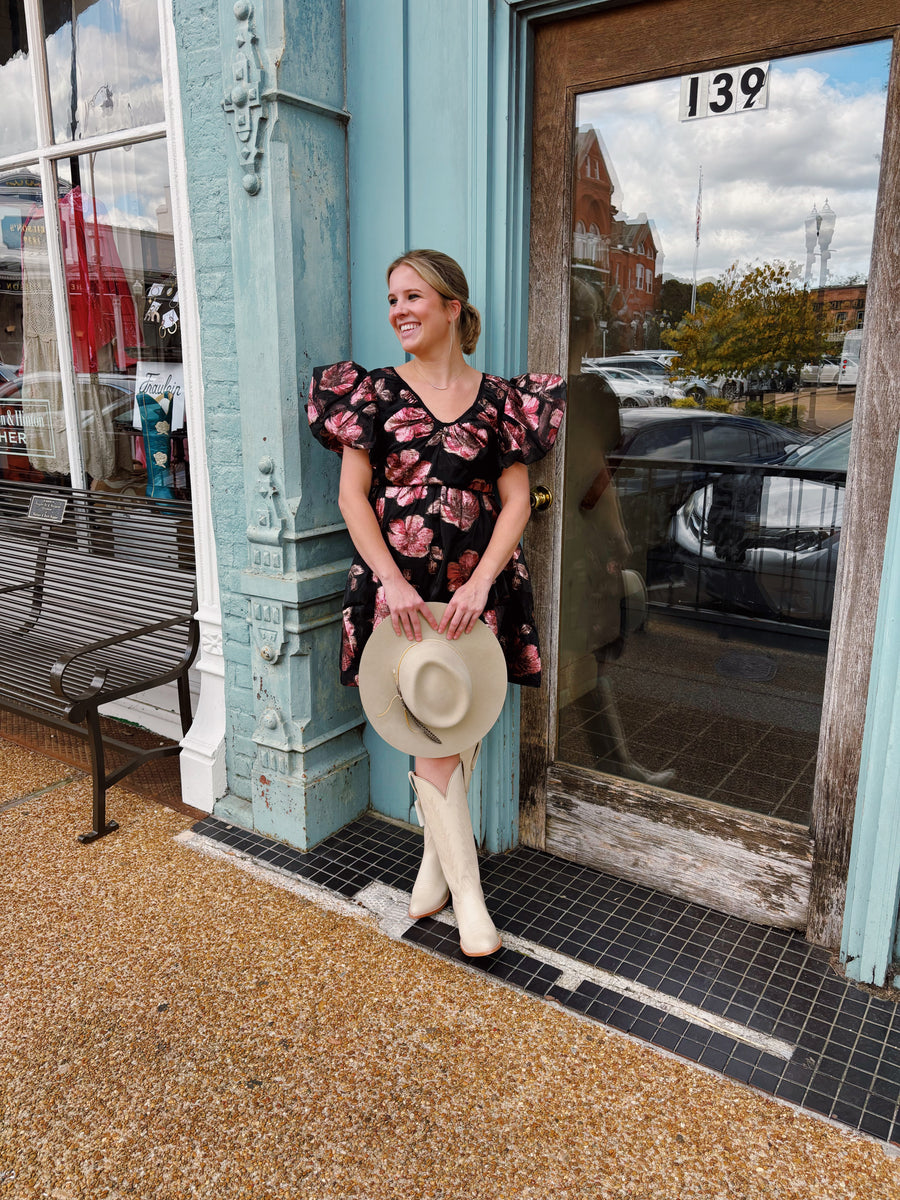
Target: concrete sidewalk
{"x":171,"y":1026}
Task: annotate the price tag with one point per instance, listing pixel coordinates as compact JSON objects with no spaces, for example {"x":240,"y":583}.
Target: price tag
{"x":724,"y":92}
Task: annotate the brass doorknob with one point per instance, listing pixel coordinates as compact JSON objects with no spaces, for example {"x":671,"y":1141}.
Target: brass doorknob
{"x":541,"y":497}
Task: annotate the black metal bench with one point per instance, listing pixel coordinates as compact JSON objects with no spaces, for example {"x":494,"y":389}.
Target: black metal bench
{"x":97,"y":602}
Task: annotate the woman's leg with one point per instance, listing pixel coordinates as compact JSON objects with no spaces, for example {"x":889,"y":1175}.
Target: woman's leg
{"x":440,"y":787}
{"x":430,"y":892}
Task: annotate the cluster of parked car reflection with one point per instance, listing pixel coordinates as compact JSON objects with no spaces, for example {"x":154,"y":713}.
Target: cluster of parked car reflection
{"x":733,"y":516}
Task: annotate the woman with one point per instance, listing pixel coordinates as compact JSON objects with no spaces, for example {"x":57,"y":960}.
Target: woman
{"x":434,"y":490}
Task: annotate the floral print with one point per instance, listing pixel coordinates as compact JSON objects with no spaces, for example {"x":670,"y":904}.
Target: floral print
{"x":434,"y":493}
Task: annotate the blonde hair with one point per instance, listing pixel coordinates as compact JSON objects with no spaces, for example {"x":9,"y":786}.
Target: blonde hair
{"x":447,"y":278}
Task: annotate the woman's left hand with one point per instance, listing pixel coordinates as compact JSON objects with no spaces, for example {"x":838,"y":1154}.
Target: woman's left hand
{"x":465,"y":608}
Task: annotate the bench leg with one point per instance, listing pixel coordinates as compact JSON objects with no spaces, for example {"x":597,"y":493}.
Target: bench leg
{"x":98,"y":772}
{"x":184,"y":702}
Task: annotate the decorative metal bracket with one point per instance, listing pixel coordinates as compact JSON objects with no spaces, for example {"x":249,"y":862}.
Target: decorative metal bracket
{"x":266,"y":535}
{"x":243,"y":102}
{"x":267,"y":629}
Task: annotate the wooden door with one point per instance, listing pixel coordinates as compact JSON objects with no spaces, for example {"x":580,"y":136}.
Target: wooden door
{"x":684,"y":839}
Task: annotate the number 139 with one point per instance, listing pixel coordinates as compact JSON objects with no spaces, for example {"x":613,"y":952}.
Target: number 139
{"x":731,"y":90}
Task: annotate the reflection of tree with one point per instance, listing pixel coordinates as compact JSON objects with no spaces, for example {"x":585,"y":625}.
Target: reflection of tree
{"x":675,"y":298}
{"x":755,"y":321}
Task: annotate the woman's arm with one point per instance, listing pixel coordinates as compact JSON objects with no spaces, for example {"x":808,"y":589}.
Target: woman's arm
{"x":469,"y":601}
{"x":402,"y":598}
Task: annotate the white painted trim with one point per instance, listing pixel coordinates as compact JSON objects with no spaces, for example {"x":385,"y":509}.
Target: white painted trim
{"x":203,"y":748}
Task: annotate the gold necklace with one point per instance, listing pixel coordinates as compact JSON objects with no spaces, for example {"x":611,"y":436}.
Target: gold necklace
{"x":436,"y":386}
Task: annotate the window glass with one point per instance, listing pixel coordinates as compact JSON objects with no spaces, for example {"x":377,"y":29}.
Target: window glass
{"x":670,"y":439}
{"x":105,"y":67}
{"x":696,"y":598}
{"x":17,"y":129}
{"x":119,"y":263}
{"x":32,"y":417}
{"x":728,"y":441}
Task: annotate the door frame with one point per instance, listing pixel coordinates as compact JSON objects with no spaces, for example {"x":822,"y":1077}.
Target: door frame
{"x":656,"y":39}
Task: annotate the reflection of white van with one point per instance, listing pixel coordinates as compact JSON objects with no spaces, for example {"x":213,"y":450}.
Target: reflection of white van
{"x":850,"y":359}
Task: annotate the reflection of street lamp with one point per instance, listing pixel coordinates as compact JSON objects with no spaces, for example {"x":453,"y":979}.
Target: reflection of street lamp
{"x":819,"y":232}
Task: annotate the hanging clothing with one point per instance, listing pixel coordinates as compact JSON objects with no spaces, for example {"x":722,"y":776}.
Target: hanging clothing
{"x":103,"y":321}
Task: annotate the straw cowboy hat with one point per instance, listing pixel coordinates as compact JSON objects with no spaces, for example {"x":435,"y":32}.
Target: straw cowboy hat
{"x":435,"y":697}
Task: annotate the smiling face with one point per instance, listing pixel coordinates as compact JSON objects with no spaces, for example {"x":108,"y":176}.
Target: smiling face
{"x":420,"y":316}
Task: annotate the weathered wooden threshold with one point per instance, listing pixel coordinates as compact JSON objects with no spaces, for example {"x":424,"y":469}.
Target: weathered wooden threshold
{"x":750,"y":866}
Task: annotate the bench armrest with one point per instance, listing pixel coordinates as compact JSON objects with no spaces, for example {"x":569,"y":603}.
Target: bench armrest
{"x":59,"y":668}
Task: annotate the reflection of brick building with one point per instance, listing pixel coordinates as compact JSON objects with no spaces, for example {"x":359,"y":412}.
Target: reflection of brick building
{"x":843,"y":308}
{"x":617,"y":254}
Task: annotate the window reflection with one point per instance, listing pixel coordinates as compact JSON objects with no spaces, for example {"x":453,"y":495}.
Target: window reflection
{"x":700,"y":546}
{"x":119,"y":264}
{"x":17,"y":130}
{"x":104,"y":63}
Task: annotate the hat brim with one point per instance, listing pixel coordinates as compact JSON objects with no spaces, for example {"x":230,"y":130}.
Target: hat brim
{"x":485,"y":662}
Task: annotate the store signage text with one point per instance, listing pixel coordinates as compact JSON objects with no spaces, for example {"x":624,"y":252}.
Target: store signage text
{"x":15,"y":424}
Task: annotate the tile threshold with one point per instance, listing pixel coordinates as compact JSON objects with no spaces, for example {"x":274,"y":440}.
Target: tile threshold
{"x":757,"y":1005}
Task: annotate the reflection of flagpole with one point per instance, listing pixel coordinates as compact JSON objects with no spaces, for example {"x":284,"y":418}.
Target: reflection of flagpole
{"x":697,"y":241}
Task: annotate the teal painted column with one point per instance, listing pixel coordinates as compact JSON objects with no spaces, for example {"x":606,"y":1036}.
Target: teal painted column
{"x":284,"y":100}
{"x":415,"y":67}
{"x":869,"y":940}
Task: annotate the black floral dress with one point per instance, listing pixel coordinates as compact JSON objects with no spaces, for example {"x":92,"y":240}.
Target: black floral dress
{"x":434,"y":492}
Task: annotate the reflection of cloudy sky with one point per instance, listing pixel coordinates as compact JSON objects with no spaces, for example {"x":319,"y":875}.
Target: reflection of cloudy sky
{"x":819,"y":139}
{"x":130,"y":184}
{"x":116,"y":46}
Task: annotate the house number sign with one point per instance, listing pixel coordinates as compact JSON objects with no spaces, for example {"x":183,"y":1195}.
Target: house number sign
{"x":724,"y":92}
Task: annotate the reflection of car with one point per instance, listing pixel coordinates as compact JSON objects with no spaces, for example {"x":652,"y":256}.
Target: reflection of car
{"x":698,"y":436}
{"x":662,"y":391}
{"x":824,"y":372}
{"x":666,"y":363}
{"x":676,"y":448}
{"x":119,"y":389}
{"x":631,"y":389}
{"x":7,"y":372}
{"x":849,"y":369}
{"x":116,"y":395}
{"x":767,"y":544}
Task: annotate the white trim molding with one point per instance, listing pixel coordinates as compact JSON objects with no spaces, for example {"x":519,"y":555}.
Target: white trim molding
{"x":203,"y":748}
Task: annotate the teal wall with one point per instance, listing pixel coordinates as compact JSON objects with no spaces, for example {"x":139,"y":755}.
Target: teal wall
{"x":424,"y":114}
{"x":870,"y":943}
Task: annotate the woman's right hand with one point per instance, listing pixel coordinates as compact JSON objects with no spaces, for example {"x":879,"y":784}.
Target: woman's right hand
{"x":407,"y":607}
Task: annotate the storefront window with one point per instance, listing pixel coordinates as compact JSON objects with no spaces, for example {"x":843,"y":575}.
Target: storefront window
{"x":104,"y":62}
{"x":91,"y":385}
{"x":17,"y":131}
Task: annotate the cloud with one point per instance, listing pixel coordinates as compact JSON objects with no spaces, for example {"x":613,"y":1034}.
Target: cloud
{"x":762,"y":171}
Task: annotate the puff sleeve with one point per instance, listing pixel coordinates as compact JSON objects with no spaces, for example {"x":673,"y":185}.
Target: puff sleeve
{"x":342,"y":407}
{"x":532,"y":414}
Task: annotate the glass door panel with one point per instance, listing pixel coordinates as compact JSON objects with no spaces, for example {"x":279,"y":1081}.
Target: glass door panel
{"x":720,"y":241}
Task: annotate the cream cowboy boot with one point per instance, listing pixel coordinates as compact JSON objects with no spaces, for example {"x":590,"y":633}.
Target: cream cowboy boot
{"x":430,"y":893}
{"x":451,"y":828}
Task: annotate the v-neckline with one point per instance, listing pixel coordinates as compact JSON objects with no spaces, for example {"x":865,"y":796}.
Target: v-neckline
{"x":434,"y":417}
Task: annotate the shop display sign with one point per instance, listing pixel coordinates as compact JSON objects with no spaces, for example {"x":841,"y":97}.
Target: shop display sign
{"x":724,"y":92}
{"x":15,"y":424}
{"x":164,"y":381}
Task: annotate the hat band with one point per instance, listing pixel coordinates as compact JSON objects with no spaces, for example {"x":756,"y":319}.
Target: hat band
{"x":411,"y":716}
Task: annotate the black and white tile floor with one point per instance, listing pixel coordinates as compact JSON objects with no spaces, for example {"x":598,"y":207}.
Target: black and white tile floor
{"x":760,"y":1005}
